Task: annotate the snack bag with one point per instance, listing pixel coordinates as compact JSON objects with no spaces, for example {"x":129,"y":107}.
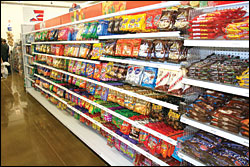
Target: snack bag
{"x":63,"y":34}
{"x":167,"y":19}
{"x":145,"y":49}
{"x":78,"y":67}
{"x":97,"y":72}
{"x":90,"y":70}
{"x":96,"y":51}
{"x":85,"y":30}
{"x":149,"y":77}
{"x":84,"y":50}
{"x":103,"y":72}
{"x":125,"y":22}
{"x":137,"y":74}
{"x":109,"y":48}
{"x":71,"y":65}
{"x":139,"y":25}
{"x":75,"y":51}
{"x":130,"y":74}
{"x":159,"y":50}
{"x":119,"y":47}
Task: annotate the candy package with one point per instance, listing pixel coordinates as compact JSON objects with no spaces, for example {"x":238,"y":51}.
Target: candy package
{"x":145,"y":49}
{"x":149,"y":77}
{"x":167,"y":20}
{"x":109,"y":48}
{"x":97,"y":72}
{"x":84,"y":50}
{"x":90,"y":68}
{"x":96,"y":52}
{"x":137,"y":74}
{"x":63,"y":34}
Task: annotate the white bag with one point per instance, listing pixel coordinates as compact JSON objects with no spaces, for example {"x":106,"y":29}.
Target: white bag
{"x":4,"y":70}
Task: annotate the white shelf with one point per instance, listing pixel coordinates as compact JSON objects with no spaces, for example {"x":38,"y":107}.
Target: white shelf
{"x":215,"y":130}
{"x":120,"y":13}
{"x":109,"y":131}
{"x":169,"y":66}
{"x":217,"y":86}
{"x":190,"y":159}
{"x":28,"y":66}
{"x":155,"y":133}
{"x":28,"y":44}
{"x":95,"y":141}
{"x":65,"y":42}
{"x":28,"y":55}
{"x":155,"y":101}
{"x":171,"y":34}
{"x":69,"y":58}
{"x":218,"y":43}
{"x":30,"y":79}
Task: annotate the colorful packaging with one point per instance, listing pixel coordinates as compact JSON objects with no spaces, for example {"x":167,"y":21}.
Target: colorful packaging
{"x":149,"y":77}
{"x":90,"y":68}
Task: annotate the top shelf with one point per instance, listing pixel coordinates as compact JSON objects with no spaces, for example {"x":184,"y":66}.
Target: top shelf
{"x":120,"y":13}
{"x":218,"y":43}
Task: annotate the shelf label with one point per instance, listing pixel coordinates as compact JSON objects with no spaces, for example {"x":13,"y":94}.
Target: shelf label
{"x":246,"y":142}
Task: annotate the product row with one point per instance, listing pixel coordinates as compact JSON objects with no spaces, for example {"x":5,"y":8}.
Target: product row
{"x":124,"y":100}
{"x":215,"y":151}
{"x":156,"y":50}
{"x":222,"y":110}
{"x":228,"y":23}
{"x":223,"y":69}
{"x":158,"y":79}
{"x":143,"y":139}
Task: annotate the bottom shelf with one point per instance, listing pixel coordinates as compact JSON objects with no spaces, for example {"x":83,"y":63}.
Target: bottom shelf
{"x":91,"y":138}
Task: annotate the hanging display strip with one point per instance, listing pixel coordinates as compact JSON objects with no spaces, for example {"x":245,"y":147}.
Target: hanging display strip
{"x":217,"y":131}
{"x":155,"y":101}
{"x":138,"y":149}
{"x":65,"y":42}
{"x":175,"y":34}
{"x":69,"y":58}
{"x":169,"y":66}
{"x":28,"y":55}
{"x":190,"y":159}
{"x":30,"y":79}
{"x":153,"y":132}
{"x":217,"y":86}
{"x":93,"y":140}
{"x":218,"y":43}
{"x":28,"y":66}
{"x":120,"y":13}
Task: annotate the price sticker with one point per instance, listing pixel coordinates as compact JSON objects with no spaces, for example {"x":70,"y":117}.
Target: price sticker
{"x":148,"y":155}
{"x":246,"y":142}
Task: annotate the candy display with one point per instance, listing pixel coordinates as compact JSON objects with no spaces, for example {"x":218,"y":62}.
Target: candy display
{"x":216,"y":151}
{"x":211,"y":25}
{"x":221,"y":110}
{"x":224,"y":69}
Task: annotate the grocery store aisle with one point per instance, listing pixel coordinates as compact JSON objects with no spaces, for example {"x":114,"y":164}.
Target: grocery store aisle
{"x":31,"y":136}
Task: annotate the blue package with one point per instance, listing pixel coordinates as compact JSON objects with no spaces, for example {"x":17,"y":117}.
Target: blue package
{"x":102,"y":28}
{"x":149,"y":77}
{"x":69,"y":38}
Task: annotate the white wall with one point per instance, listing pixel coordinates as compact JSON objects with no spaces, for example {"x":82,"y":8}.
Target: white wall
{"x":14,"y":13}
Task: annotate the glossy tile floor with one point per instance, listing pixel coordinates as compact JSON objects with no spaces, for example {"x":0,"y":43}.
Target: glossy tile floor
{"x":31,"y":136}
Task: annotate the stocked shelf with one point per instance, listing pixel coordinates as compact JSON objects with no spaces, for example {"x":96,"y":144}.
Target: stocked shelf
{"x":217,"y":86}
{"x":120,"y":13}
{"x":170,"y":66}
{"x":218,"y":43}
{"x":138,"y":149}
{"x":190,"y":159}
{"x":155,"y":101}
{"x":95,"y":141}
{"x":69,"y":58}
{"x":171,"y":34}
{"x":217,"y":131}
{"x":153,"y":132}
{"x":65,"y":42}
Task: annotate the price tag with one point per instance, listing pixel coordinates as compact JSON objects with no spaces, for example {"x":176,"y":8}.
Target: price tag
{"x":213,"y":131}
{"x":246,"y":142}
{"x":148,"y":155}
{"x":131,"y":145}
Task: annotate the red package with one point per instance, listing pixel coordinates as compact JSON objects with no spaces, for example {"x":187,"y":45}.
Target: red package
{"x":97,"y":72}
{"x":63,"y":34}
{"x":213,"y":35}
{"x":125,"y":128}
{"x":197,"y":30}
{"x":156,"y":18}
{"x":149,"y":20}
{"x":127,"y":47}
{"x":61,"y":50}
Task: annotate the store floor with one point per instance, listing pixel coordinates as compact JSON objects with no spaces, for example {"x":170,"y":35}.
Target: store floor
{"x":31,"y":136}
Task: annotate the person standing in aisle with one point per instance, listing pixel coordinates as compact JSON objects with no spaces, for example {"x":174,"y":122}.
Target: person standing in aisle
{"x":5,"y":53}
